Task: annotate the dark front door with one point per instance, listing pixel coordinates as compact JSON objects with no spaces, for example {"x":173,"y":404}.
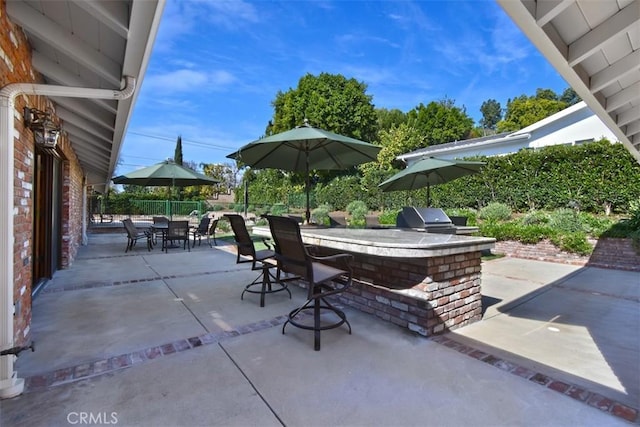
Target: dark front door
{"x":47,"y":217}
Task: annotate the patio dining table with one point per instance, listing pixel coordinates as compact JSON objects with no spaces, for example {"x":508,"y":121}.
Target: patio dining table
{"x":161,"y":227}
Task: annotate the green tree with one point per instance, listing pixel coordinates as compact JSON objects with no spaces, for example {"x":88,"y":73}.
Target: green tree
{"x":396,"y":141}
{"x":491,"y":114}
{"x":546,"y":94}
{"x":389,"y":118}
{"x":177,"y":156}
{"x":570,"y":97}
{"x":267,"y":187}
{"x":524,"y":111}
{"x":223,"y":172}
{"x":329,"y":101}
{"x":440,"y":122}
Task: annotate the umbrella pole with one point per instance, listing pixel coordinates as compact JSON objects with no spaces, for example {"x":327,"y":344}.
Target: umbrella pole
{"x":428,"y":195}
{"x":308,"y":188}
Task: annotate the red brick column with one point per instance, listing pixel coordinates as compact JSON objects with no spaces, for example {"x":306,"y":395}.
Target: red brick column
{"x":426,"y":295}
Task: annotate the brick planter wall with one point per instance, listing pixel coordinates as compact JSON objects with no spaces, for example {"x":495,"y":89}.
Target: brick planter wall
{"x":541,"y":251}
{"x":611,"y":253}
{"x":425,"y":295}
{"x":615,"y":253}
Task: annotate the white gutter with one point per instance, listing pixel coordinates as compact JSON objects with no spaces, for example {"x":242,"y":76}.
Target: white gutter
{"x":433,"y":150}
{"x":10,"y":384}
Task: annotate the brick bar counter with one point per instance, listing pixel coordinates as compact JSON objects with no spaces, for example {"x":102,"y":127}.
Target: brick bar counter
{"x":426,"y":282}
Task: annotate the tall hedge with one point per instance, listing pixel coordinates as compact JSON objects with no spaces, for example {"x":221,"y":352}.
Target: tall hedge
{"x":597,"y":177}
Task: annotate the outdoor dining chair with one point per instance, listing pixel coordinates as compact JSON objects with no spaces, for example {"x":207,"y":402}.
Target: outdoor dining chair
{"x":158,"y":221}
{"x":176,"y":231}
{"x":133,"y":235}
{"x":201,"y":230}
{"x":323,"y":280}
{"x":262,"y":260}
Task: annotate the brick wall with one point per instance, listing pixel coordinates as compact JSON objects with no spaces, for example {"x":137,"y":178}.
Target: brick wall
{"x":15,"y":67}
{"x":541,"y":251}
{"x":615,"y":253}
{"x":607,"y":253}
{"x":426,"y":295}
{"x":72,"y":190}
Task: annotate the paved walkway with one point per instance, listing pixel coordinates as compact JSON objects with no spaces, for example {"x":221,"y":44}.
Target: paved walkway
{"x":164,"y":340}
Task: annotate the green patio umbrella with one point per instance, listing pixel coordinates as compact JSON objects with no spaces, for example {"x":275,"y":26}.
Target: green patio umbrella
{"x":167,"y":173}
{"x":306,"y":148}
{"x":429,"y":171}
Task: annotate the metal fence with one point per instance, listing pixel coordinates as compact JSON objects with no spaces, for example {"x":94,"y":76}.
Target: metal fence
{"x":167,"y":208}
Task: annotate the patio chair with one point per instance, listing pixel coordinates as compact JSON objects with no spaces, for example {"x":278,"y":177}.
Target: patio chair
{"x":262,"y":260}
{"x":176,"y":231}
{"x":158,"y":220}
{"x":133,"y":235}
{"x":212,"y":231}
{"x":323,"y":280}
{"x":201,"y":230}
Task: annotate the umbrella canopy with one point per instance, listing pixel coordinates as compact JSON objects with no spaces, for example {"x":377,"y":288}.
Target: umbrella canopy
{"x":166,"y":173}
{"x":429,"y":171}
{"x":306,"y":148}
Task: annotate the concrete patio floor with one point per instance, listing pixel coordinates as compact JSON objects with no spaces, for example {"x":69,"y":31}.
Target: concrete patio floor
{"x":154,"y":339}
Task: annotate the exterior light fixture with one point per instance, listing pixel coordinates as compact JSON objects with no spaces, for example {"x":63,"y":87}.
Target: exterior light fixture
{"x":45,"y":131}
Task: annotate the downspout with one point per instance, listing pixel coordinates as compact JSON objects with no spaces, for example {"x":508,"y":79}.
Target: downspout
{"x":10,"y":384}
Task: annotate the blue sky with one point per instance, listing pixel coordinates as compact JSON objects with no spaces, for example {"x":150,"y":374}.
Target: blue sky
{"x":217,"y":65}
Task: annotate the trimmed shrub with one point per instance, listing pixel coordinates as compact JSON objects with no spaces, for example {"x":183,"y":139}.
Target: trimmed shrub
{"x":534,"y":217}
{"x":566,"y":220}
{"x":320,"y":215}
{"x":357,"y":210}
{"x":529,"y":234}
{"x":495,"y":212}
{"x":573,"y":242}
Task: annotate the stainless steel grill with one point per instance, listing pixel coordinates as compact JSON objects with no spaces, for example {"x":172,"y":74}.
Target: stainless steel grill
{"x":429,"y":219}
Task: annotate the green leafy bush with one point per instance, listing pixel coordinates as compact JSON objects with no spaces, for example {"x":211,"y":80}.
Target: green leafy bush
{"x":279,"y":209}
{"x":594,"y":225}
{"x":566,"y":220}
{"x":495,"y":212}
{"x":627,"y":227}
{"x":535,"y":217}
{"x":528,"y":234}
{"x":388,"y":217}
{"x":573,"y":242}
{"x":216,"y":207}
{"x":320,"y":215}
{"x":357,"y":209}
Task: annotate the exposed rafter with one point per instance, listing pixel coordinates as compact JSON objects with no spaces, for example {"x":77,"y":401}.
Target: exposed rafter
{"x":38,"y":25}
{"x":547,"y":10}
{"x":588,"y":44}
{"x":615,"y":71}
{"x":108,"y":13}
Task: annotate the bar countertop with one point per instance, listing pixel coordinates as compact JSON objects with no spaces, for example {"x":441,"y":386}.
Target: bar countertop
{"x":389,"y":242}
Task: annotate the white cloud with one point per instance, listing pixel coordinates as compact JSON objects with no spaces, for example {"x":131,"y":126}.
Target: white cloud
{"x":187,"y":80}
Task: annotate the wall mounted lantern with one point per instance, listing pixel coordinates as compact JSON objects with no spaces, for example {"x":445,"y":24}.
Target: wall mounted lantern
{"x":45,"y":131}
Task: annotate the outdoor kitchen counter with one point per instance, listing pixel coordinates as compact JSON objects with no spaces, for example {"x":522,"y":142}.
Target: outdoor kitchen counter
{"x":389,"y":242}
{"x":426,"y":282}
